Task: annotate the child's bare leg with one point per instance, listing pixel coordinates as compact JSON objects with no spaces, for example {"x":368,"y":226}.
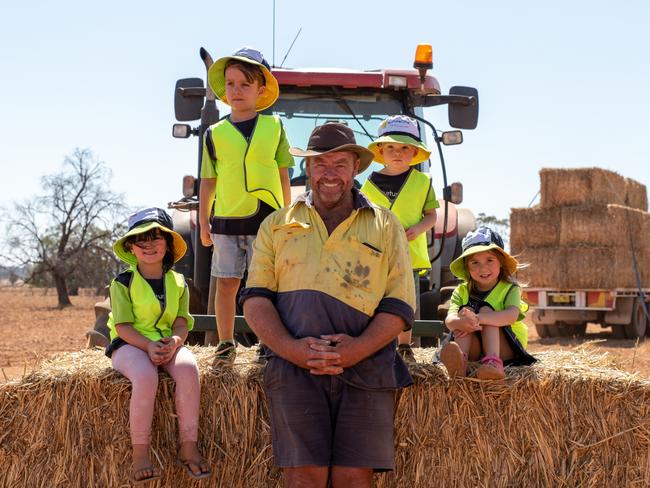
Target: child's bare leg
{"x":183,"y":368}
{"x":224,"y":302}
{"x":135,"y":364}
{"x":491,"y":340}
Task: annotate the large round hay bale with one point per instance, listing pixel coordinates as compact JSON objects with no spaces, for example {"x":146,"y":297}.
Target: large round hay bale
{"x":572,"y":419}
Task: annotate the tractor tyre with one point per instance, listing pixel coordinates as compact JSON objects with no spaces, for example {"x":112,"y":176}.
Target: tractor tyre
{"x":637,"y":327}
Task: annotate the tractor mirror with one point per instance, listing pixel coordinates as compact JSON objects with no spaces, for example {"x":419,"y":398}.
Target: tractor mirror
{"x":452,"y":137}
{"x":456,"y":193}
{"x":181,"y":131}
{"x":464,"y":114}
{"x":188,"y":99}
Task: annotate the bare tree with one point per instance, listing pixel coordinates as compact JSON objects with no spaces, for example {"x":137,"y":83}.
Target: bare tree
{"x":56,"y":233}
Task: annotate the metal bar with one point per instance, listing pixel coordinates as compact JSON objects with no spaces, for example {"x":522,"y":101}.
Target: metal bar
{"x":421,"y":328}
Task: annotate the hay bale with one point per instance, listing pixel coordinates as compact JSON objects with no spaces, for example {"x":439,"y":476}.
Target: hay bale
{"x":579,"y":186}
{"x":534,"y":227}
{"x":636,"y":195}
{"x":604,"y":225}
{"x":543,"y":266}
{"x":572,"y":419}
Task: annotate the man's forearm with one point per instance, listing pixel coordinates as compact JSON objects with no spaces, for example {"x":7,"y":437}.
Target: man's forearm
{"x":383,"y":329}
{"x":262,"y":316}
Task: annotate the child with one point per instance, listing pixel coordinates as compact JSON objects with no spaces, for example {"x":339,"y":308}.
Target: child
{"x":406,"y":191}
{"x":245,"y":171}
{"x":486,"y":312}
{"x":148,"y":324}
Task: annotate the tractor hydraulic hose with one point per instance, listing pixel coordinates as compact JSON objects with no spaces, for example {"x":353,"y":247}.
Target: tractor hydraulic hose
{"x":445,"y":192}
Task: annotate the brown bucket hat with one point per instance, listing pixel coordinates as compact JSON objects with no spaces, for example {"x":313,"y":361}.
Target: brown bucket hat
{"x":334,"y":137}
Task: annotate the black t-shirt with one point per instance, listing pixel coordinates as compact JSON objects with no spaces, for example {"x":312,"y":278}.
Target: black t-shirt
{"x":158,"y":287}
{"x":390,"y":185}
{"x":247,"y":226}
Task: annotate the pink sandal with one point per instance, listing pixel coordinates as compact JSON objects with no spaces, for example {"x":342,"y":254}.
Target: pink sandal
{"x":454,"y":359}
{"x":491,"y":368}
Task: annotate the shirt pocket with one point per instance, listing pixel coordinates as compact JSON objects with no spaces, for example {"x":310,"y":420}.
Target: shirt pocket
{"x":363,"y":269}
{"x":291,"y":244}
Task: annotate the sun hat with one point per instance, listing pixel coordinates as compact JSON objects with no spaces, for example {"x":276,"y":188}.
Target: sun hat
{"x":480,"y":240}
{"x":334,"y":137}
{"x":400,"y":129}
{"x":250,"y":55}
{"x":143,"y":221}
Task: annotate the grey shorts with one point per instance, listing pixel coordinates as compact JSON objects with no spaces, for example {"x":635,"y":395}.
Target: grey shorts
{"x":322,"y":421}
{"x":231,"y":255}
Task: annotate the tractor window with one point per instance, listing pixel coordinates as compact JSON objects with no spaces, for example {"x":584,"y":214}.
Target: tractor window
{"x":301,"y":112}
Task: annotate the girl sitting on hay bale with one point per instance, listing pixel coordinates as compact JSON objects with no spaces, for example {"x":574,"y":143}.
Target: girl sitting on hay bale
{"x":148,"y":325}
{"x":486,"y":311}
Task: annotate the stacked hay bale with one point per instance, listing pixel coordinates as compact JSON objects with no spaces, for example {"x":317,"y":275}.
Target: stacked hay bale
{"x":586,"y":232}
{"x":573,"y":419}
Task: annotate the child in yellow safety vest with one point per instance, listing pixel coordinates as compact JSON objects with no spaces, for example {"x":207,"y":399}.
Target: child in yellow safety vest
{"x":148,"y":324}
{"x":406,"y":191}
{"x":486,"y":311}
{"x":244,"y":177}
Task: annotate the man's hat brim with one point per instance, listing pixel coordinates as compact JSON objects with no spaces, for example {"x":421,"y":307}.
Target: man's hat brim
{"x":180,"y":248}
{"x":457,"y":267}
{"x":422,"y":154}
{"x":365,"y":156}
{"x":217,"y":81}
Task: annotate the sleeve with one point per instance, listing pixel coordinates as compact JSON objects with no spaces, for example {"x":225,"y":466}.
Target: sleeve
{"x":456,"y":302}
{"x":431,"y":200}
{"x":261,"y":273}
{"x":184,"y":308}
{"x":399,"y":296}
{"x":282,"y":156}
{"x":513,"y":298}
{"x":121,"y":306}
{"x":208,"y":166}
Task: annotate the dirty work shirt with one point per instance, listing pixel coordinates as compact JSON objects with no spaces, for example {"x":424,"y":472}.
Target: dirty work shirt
{"x":246,"y":226}
{"x":329,"y":284}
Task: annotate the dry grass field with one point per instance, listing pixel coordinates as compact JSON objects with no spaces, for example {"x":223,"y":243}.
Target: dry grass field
{"x":34,"y":329}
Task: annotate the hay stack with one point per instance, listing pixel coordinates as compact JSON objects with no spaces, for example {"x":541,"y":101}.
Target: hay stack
{"x":581,"y":186}
{"x":571,"y":420}
{"x":582,"y":234}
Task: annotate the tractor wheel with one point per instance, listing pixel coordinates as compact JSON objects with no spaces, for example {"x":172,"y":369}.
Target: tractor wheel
{"x":636,"y":329}
{"x":542,"y":330}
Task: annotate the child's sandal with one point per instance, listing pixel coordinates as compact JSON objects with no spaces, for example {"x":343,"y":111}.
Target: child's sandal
{"x":491,"y":368}
{"x":454,"y":359}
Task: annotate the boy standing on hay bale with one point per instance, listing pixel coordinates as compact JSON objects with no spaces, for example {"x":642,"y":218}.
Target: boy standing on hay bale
{"x":407,"y":192}
{"x":329,"y":289}
{"x":486,"y":311}
{"x":148,"y":325}
{"x":244,"y":177}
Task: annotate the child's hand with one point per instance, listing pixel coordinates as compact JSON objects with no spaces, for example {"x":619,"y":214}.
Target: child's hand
{"x":170,"y":344}
{"x":156,"y":352}
{"x":413,"y":232}
{"x":468,"y":323}
{"x":206,"y":239}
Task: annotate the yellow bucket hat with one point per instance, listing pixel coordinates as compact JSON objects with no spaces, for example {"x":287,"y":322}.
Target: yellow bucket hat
{"x":480,"y":240}
{"x":143,"y":221}
{"x":400,"y":129}
{"x":217,"y":77}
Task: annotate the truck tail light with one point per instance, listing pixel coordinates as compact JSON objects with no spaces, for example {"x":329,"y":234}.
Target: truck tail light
{"x":530,"y":297}
{"x":600,"y":299}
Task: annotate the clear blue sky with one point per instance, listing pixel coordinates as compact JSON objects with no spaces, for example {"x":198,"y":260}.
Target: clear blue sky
{"x":561,"y":83}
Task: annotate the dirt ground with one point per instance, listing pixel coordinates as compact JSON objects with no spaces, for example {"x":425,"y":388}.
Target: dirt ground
{"x":34,"y":329}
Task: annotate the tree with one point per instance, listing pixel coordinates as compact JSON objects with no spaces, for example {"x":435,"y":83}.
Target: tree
{"x":67,"y":231}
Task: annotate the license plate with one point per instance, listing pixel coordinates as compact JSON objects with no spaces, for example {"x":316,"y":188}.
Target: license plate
{"x":561,"y":298}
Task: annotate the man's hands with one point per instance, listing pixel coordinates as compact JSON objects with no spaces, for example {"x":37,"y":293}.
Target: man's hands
{"x":316,"y":355}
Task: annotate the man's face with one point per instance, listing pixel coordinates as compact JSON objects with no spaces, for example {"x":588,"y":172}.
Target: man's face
{"x":331,"y":176}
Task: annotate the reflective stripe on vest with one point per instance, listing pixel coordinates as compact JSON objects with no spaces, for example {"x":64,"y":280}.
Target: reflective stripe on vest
{"x":496,"y":299}
{"x":409,"y":208}
{"x":241,"y":186}
{"x":149,"y":319}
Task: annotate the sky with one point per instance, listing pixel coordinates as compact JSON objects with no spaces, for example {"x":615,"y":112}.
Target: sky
{"x":561,"y":83}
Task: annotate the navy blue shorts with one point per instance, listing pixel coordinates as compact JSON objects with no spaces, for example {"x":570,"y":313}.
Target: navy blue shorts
{"x":322,"y":421}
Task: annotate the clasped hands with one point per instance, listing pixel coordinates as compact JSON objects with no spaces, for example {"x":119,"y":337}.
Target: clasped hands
{"x":468,"y":323}
{"x":161,"y":351}
{"x":328,"y":355}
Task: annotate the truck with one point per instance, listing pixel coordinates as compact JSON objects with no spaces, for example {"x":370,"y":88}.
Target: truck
{"x":360,"y":99}
{"x":561,"y":312}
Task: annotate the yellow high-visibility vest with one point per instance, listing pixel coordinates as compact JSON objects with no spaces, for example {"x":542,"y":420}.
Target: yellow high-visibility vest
{"x":246,"y":169}
{"x":409,"y":208}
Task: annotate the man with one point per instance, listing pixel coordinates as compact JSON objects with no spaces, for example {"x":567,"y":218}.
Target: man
{"x":329,"y":289}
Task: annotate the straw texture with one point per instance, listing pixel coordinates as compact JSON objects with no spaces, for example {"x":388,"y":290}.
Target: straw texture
{"x":573,"y":419}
